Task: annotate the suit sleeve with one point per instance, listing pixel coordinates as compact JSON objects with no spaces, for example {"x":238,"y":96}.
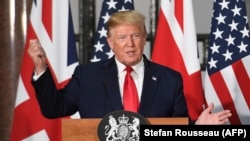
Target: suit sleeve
{"x":52,"y":101}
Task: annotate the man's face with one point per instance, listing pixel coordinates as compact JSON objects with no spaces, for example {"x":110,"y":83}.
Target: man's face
{"x":127,"y":43}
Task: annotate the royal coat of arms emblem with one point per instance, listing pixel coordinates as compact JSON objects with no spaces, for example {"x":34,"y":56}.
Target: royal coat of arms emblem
{"x":121,"y":126}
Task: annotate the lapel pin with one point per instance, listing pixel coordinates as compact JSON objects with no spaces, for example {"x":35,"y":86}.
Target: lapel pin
{"x":154,"y":78}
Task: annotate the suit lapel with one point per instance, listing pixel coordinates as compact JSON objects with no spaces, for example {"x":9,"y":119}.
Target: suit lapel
{"x":112,"y":86}
{"x":150,"y":83}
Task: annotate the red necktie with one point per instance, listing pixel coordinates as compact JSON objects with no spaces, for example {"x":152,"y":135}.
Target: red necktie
{"x":130,"y":96}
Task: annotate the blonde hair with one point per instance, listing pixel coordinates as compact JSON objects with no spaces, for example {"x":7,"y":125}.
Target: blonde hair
{"x":131,"y":17}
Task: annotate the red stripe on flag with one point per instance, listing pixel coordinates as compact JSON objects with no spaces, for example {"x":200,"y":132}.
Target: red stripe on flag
{"x":38,"y":122}
{"x":243,"y":80}
{"x":193,"y":93}
{"x":224,"y":96}
{"x":47,"y":16}
{"x":179,"y":13}
{"x":162,"y":54}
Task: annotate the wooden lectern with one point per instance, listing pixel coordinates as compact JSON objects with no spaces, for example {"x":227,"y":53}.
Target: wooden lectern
{"x":86,"y":129}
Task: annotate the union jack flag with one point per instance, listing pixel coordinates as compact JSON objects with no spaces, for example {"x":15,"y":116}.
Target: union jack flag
{"x":227,"y":74}
{"x":101,"y":48}
{"x":175,"y":46}
{"x":51,"y":23}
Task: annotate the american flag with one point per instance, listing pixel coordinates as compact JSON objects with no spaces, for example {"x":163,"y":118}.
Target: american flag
{"x":101,"y":48}
{"x":51,"y":23}
{"x":228,"y":67}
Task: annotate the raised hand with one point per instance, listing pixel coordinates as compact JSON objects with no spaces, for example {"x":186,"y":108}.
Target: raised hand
{"x":37,"y":55}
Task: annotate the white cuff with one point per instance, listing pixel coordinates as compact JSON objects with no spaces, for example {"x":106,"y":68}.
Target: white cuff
{"x":35,"y":76}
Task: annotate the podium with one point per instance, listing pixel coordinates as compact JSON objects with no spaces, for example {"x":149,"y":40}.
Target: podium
{"x":86,"y":129}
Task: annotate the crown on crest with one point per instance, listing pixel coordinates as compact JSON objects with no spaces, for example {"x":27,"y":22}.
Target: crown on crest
{"x":123,"y":119}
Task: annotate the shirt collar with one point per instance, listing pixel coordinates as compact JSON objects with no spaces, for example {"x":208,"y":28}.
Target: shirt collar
{"x":137,"y":68}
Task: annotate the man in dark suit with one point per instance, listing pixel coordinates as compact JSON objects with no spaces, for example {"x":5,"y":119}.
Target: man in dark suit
{"x":96,"y":89}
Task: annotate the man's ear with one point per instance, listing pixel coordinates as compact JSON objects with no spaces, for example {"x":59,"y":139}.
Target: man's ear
{"x":110,"y":42}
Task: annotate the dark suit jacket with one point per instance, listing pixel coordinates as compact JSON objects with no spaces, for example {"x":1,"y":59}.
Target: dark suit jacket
{"x":94,"y":92}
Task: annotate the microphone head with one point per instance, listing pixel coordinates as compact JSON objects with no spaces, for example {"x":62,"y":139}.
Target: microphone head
{"x":121,"y":125}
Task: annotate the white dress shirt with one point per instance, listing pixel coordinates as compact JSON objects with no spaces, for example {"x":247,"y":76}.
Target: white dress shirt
{"x":137,"y":74}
